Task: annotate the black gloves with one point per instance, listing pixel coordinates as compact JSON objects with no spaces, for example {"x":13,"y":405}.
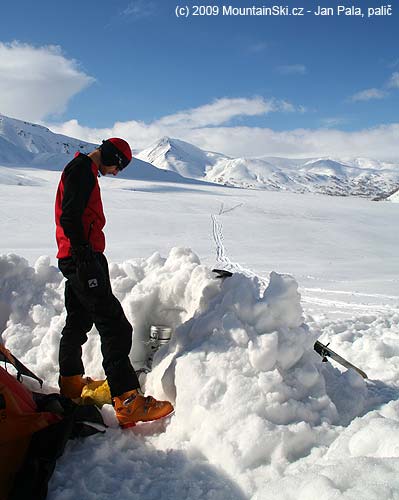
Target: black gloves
{"x":88,"y":270}
{"x":82,"y":253}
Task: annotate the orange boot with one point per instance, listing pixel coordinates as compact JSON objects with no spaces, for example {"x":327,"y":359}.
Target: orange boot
{"x":71,"y":387}
{"x":132,"y":407}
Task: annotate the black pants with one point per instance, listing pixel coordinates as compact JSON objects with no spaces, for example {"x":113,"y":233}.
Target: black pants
{"x":105,"y":311}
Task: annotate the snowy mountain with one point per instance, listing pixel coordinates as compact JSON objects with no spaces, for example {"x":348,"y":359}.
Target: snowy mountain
{"x":333,"y":176}
{"x":172,"y":160}
{"x":180,"y":156}
{"x":321,"y":175}
{"x":27,"y":144}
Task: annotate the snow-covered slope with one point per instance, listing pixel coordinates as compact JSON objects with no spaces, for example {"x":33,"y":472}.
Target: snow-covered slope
{"x":321,"y":175}
{"x":18,"y":177}
{"x":258,"y":414}
{"x":329,"y":175}
{"x":142,"y":171}
{"x":179,"y":156}
{"x":393,"y":196}
{"x":27,"y":144}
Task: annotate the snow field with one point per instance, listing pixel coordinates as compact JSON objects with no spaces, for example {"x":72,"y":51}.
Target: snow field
{"x":258,"y":415}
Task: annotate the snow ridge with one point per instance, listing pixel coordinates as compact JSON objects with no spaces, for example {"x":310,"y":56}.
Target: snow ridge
{"x":179,"y":156}
{"x":27,"y":144}
{"x":328,"y":175}
{"x":30,"y":145}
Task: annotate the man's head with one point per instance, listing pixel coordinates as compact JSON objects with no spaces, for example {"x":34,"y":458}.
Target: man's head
{"x":115,"y":155}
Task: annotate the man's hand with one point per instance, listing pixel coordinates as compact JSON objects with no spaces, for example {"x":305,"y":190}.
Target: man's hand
{"x":82,"y":254}
{"x":88,"y":270}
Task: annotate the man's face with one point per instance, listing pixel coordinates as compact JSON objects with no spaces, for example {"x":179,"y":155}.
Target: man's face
{"x":114,"y":170}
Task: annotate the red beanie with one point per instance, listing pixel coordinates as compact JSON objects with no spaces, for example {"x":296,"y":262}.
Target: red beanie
{"x":123,"y":147}
{"x":116,"y":152}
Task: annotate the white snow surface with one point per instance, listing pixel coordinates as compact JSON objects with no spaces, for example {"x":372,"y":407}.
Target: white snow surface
{"x":258,"y":414}
{"x":394,"y":197}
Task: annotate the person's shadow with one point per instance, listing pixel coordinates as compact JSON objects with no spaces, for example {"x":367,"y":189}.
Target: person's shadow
{"x":354,"y":396}
{"x":124,"y":465}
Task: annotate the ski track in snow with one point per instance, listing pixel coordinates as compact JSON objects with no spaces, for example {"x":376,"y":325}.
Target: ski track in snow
{"x":346,"y":307}
{"x":347,"y":312}
{"x":337,"y":302}
{"x":221,"y":254}
{"x":363,"y":318}
{"x":213,"y":448}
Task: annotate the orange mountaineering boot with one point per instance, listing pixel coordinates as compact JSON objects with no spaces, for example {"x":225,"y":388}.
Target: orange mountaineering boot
{"x":132,"y":407}
{"x":71,"y":387}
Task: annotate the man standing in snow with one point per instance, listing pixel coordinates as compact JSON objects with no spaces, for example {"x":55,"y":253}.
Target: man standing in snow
{"x":88,"y":295}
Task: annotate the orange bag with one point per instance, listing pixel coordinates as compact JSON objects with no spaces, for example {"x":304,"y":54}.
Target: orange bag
{"x":19,"y":419}
{"x":34,"y":429}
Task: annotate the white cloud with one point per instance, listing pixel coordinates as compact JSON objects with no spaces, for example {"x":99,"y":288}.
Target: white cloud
{"x":36,"y":82}
{"x":222,"y":110}
{"x":292,"y":69}
{"x":394,"y":80}
{"x":139,"y":9}
{"x":379,"y":142}
{"x":219,"y":112}
{"x":369,"y":94}
{"x":204,"y":127}
{"x":375,"y":93}
{"x":333,"y":121}
{"x":258,"y":47}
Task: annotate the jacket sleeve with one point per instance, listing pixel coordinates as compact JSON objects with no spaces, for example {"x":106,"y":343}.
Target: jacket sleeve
{"x":79,"y":182}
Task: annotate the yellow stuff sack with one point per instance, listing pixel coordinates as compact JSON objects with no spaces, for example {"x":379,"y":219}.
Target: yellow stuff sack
{"x":96,"y":393}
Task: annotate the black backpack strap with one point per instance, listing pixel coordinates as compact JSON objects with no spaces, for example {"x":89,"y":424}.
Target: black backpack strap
{"x":7,"y":357}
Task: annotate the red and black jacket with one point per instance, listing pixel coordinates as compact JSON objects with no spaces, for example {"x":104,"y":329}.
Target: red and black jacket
{"x":79,"y":215}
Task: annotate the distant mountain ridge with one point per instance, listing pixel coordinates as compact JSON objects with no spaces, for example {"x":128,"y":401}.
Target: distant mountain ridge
{"x":173,"y":160}
{"x":179,"y":156}
{"x":27,"y":144}
{"x":327,"y":175}
{"x":24,"y":144}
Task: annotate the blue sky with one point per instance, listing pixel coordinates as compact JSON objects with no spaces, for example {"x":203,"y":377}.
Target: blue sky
{"x":135,"y":61}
